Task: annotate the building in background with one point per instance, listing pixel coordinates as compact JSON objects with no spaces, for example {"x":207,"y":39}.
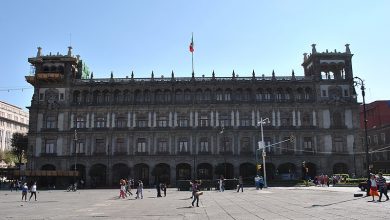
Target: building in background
{"x":169,"y":128}
{"x":12,"y":120}
{"x":378,"y":128}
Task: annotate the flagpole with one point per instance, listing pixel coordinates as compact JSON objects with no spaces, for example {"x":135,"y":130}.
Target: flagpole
{"x":192,"y":52}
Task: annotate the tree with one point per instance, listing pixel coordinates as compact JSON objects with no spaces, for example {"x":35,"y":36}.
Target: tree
{"x":19,"y":143}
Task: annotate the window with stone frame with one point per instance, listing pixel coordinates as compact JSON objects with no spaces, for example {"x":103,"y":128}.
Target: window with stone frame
{"x":337,"y":120}
{"x":375,"y":139}
{"x":207,"y":95}
{"x":179,"y":96}
{"x":224,"y":120}
{"x":267,"y":96}
{"x":219,"y":95}
{"x":142,"y":122}
{"x":259,"y":95}
{"x":308,"y":94}
{"x":100,"y":122}
{"x":106,"y":95}
{"x":245,"y":145}
{"x":118,"y":97}
{"x":50,"y":146}
{"x":80,"y":121}
{"x":199,"y":95}
{"x":100,"y":146}
{"x":183,"y":146}
{"x":268,"y":142}
{"x":147,"y":96}
{"x":183,"y":122}
{"x":225,"y":145}
{"x":287,"y":147}
{"x":80,"y":146}
{"x":162,"y":145}
{"x":141,"y":145}
{"x":204,"y":145}
{"x":162,"y":122}
{"x":228,"y":95}
{"x":187,"y":95}
{"x":338,"y":145}
{"x":307,"y":143}
{"x":246,"y":95}
{"x":120,"y":145}
{"x":51,"y":121}
{"x":126,"y":96}
{"x":306,"y":120}
{"x":245,"y":120}
{"x":121,"y":122}
{"x":204,"y":121}
{"x":285,"y":119}
{"x":383,"y":138}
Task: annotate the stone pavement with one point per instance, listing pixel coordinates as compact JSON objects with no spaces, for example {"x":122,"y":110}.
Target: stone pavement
{"x":272,"y":203}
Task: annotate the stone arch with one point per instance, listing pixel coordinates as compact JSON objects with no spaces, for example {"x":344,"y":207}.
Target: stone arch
{"x":183,"y":171}
{"x":287,"y":171}
{"x":141,"y":172}
{"x":120,"y":171}
{"x":162,"y":173}
{"x":225,"y":169}
{"x":98,"y":174}
{"x":204,"y":171}
{"x":247,"y":171}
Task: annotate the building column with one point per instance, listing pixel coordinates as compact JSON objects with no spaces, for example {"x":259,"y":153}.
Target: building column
{"x":175,"y":120}
{"x":92,"y":125}
{"x":293,"y":118}
{"x":173,"y":175}
{"x":314,"y":118}
{"x":88,"y":121}
{"x":191,"y":120}
{"x":128,"y":119}
{"x":72,"y":120}
{"x":108,"y":120}
{"x":237,"y":118}
{"x":278,"y":115}
{"x":232,"y":118}
{"x":154,"y":120}
{"x":216,"y":119}
{"x":299,"y":118}
{"x":211,"y":119}
{"x":113,"y":120}
{"x":134,"y":120}
{"x":253,"y":118}
{"x":273,"y":118}
{"x":170,"y":119}
{"x":149,"y":119}
{"x":196,"y":119}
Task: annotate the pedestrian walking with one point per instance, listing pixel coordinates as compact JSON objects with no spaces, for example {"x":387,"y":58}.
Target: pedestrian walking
{"x":240,"y":184}
{"x":24,"y":192}
{"x":164,"y":188}
{"x":33,"y":191}
{"x":221,"y":184}
{"x":382,"y":187}
{"x":140,"y":189}
{"x":158,"y":188}
{"x":373,"y":187}
{"x":257,"y":182}
{"x":122,"y":190}
{"x":195,"y":193}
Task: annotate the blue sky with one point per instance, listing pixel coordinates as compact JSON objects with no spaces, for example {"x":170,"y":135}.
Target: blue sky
{"x":141,"y":36}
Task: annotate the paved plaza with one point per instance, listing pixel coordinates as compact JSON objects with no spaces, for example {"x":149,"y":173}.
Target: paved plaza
{"x":271,"y":203}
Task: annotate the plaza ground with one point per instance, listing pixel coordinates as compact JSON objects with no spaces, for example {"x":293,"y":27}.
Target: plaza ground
{"x":270,"y":203}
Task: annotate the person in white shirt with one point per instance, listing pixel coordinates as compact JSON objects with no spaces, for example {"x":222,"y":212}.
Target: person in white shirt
{"x":33,"y":191}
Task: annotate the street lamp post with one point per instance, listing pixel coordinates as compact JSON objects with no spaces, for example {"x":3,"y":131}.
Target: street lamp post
{"x":75,"y":155}
{"x":261,"y":122}
{"x":224,"y":148}
{"x":359,"y":82}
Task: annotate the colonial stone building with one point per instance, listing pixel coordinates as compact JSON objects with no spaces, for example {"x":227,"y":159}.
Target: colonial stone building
{"x":174,"y":128}
{"x":12,"y":120}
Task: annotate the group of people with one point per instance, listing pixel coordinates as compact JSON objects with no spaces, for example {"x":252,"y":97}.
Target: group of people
{"x":127,"y":185}
{"x":376,"y":184}
{"x":33,"y":191}
{"x":321,"y":180}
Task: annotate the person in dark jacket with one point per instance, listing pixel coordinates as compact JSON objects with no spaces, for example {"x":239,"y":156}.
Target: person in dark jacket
{"x":382,"y":187}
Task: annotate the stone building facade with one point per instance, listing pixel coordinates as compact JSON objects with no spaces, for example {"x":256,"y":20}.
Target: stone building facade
{"x":12,"y":120}
{"x":174,"y":128}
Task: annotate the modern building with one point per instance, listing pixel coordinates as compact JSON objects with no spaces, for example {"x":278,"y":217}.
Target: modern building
{"x":378,"y":128}
{"x":173,"y":128}
{"x":12,"y":120}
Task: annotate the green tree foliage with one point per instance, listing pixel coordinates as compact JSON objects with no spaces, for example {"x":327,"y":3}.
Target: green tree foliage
{"x":8,"y":157}
{"x":19,"y":143}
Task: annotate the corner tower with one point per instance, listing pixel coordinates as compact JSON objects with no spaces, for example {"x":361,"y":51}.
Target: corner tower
{"x":328,"y":65}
